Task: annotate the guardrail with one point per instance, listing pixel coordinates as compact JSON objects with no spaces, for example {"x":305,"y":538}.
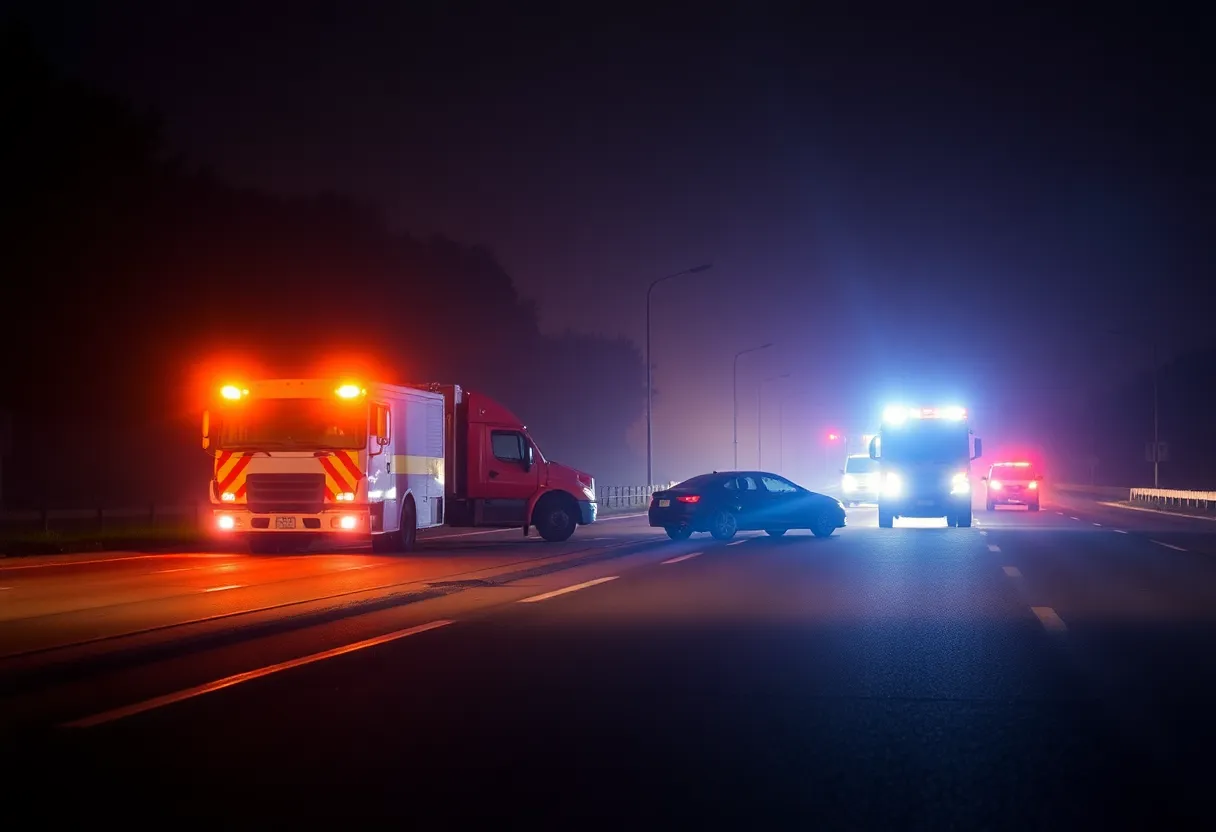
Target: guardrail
{"x":198,"y":515}
{"x":1170,"y":498}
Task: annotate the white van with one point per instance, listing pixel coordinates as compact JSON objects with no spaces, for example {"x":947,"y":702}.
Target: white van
{"x":860,"y":481}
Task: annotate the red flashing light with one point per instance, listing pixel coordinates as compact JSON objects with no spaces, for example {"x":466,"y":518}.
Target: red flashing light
{"x":690,"y":498}
{"x":832,"y":437}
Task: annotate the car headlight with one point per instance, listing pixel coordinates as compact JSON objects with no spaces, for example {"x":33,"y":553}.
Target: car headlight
{"x":959,"y":484}
{"x":849,"y":482}
{"x":891,"y":484}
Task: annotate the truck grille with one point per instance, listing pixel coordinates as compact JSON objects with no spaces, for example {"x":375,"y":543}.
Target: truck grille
{"x":285,"y":493}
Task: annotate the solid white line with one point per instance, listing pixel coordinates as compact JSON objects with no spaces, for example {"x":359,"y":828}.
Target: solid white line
{"x":160,"y":556}
{"x":680,"y":558}
{"x":993,"y":548}
{"x":564,"y":590}
{"x":222,"y":588}
{"x":190,"y":693}
{"x":180,"y":569}
{"x":1170,"y":546}
{"x":1119,"y":531}
{"x":1012,"y":571}
{"x":1048,"y":618}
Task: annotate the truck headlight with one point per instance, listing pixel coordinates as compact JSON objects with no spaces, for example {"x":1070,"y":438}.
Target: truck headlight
{"x":849,"y":482}
{"x":960,"y":484}
{"x":891,"y":485}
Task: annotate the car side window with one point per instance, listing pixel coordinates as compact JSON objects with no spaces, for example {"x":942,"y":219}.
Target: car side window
{"x":778,"y":486}
{"x":731,"y":484}
{"x":748,"y":484}
{"x":507,"y":445}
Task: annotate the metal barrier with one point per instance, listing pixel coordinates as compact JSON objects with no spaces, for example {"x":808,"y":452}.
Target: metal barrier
{"x":1170,"y":498}
{"x":617,"y":497}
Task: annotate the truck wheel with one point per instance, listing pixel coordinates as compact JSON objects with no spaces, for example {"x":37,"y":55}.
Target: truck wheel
{"x":407,"y":539}
{"x":1033,"y":506}
{"x":964,"y":520}
{"x":991,"y":506}
{"x":723,"y":526}
{"x":555,"y":518}
{"x":678,"y":532}
{"x":886,"y":519}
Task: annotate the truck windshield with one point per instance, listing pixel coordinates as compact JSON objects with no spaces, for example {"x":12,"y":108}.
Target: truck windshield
{"x":946,"y":443}
{"x":294,"y":425}
{"x":860,"y":465}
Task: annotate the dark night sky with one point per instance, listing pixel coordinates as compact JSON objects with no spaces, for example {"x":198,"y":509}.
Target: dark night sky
{"x":978,"y":174}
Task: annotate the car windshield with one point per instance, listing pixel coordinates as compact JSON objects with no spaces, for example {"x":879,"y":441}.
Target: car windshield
{"x":294,"y":424}
{"x":1012,"y":472}
{"x":860,"y":465}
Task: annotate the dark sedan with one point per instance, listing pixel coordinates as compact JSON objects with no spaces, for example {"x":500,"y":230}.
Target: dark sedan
{"x":723,"y":503}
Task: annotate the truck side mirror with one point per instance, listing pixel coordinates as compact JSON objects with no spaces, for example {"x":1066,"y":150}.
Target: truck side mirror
{"x":529,"y":457}
{"x":979,"y":448}
{"x":206,"y":429}
{"x":874,"y":448}
{"x":384,"y":424}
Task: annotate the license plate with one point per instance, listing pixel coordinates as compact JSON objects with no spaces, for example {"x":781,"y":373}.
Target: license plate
{"x":664,"y":503}
{"x":284,"y":522}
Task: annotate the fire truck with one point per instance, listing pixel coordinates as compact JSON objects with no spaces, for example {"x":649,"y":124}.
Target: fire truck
{"x":925,"y":456}
{"x":298,"y":460}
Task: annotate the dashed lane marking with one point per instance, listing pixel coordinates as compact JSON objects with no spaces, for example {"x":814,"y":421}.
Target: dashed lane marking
{"x":992,"y":547}
{"x":1169,"y":546}
{"x":546,"y":596}
{"x":1118,"y":531}
{"x":222,"y":588}
{"x":220,"y":684}
{"x":680,"y":558}
{"x":1051,"y":622}
{"x":1012,"y":571}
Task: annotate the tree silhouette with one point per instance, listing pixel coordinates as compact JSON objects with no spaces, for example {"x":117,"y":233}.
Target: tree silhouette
{"x":130,"y":269}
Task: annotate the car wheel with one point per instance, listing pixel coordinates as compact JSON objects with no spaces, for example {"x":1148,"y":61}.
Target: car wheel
{"x":991,"y":506}
{"x":723,"y":526}
{"x":679,"y":532}
{"x":963,"y":521}
{"x":823,"y":526}
{"x":886,"y":519}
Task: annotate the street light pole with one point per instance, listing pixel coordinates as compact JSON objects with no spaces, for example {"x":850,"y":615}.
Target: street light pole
{"x":1156,"y":412}
{"x":650,"y":371}
{"x":739,"y":355}
{"x":760,"y":417}
{"x":1156,"y":438}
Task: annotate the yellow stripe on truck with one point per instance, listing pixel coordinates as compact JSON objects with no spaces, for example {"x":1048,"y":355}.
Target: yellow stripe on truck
{"x":429,"y":466}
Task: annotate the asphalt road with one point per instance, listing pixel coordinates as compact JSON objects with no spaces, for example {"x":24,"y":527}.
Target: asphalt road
{"x":1038,"y":670}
